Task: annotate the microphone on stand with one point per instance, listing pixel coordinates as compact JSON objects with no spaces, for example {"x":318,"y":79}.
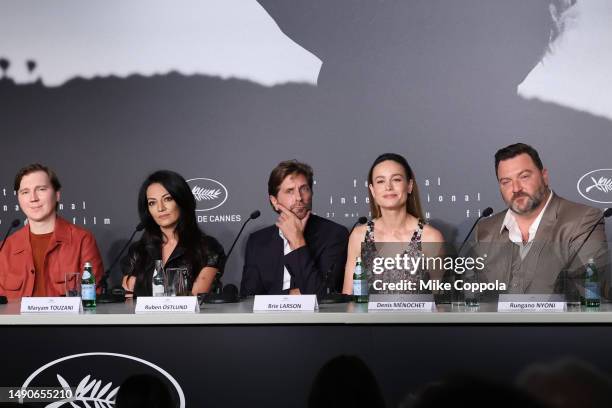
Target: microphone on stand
{"x":227,"y":293}
{"x":485,"y":213}
{"x":14,"y":224}
{"x":331,"y":296}
{"x":117,"y":295}
{"x":565,"y":272}
{"x":606,"y":214}
{"x":254,"y":215}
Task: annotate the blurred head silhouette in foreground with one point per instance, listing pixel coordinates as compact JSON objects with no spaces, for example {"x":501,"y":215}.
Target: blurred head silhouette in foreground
{"x":345,"y":381}
{"x":144,"y":391}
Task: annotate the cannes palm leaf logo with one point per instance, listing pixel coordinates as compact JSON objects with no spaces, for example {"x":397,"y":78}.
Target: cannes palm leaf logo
{"x":205,"y":194}
{"x":208,"y":193}
{"x":603,"y":184}
{"x":89,"y":393}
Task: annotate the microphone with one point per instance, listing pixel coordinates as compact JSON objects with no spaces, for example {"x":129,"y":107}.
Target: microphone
{"x":605,"y":214}
{"x":564,"y":272}
{"x":115,"y":297}
{"x":254,"y":215}
{"x":330,"y":295}
{"x":14,"y":224}
{"x":230,"y":290}
{"x":485,"y":213}
{"x":457,"y":296}
{"x":228,"y":294}
{"x":360,"y":221}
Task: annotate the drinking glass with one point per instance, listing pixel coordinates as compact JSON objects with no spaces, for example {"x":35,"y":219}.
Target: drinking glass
{"x":73,"y":284}
{"x":177,"y":282}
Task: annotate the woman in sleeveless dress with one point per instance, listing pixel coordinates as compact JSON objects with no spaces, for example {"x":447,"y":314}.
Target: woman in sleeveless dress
{"x":398,"y":222}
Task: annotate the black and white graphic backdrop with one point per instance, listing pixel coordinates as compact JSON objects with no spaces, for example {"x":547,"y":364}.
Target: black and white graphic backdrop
{"x":107,"y":91}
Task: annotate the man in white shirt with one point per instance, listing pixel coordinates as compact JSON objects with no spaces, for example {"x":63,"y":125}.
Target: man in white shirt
{"x":529,"y":245}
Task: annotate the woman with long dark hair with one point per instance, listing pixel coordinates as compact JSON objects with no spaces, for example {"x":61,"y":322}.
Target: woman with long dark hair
{"x":397,"y":218}
{"x":171,"y":234}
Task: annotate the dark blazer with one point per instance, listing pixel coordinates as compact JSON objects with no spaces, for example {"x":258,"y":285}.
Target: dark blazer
{"x":324,"y":254}
{"x":563,"y":227}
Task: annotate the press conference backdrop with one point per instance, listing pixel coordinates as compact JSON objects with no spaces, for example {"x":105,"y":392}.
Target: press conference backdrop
{"x":220,"y":91}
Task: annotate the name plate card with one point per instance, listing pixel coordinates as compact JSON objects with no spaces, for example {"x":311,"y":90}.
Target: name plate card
{"x":407,"y":303}
{"x":167,"y":304}
{"x":531,"y":303}
{"x":285,"y":303}
{"x":53,"y":305}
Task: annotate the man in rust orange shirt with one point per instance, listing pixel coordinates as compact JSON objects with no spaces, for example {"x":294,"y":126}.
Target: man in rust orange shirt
{"x":35,"y":259}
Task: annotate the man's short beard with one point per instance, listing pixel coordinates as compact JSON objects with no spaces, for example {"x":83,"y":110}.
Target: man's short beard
{"x":307,"y":208}
{"x":533,"y":202}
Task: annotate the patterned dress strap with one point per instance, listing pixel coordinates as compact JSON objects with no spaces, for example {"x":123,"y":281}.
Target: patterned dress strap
{"x":418,"y":232}
{"x":369,"y":236}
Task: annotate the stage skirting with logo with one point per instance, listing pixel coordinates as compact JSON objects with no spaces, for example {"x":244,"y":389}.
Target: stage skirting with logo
{"x":227,"y":356}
